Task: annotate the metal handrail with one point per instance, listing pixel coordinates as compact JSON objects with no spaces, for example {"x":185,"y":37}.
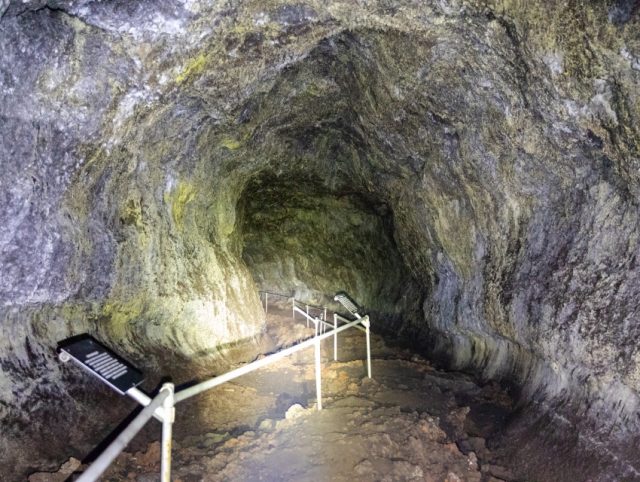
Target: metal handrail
{"x":308,"y":307}
{"x":266,"y":298}
{"x":214,"y":382}
{"x":347,"y":320}
{"x":162,"y":406}
{"x":314,"y":307}
{"x":313,"y":319}
{"x":114,"y":449}
{"x":294,"y":308}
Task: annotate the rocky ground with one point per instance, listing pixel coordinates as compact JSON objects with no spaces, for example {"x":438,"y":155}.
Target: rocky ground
{"x":409,"y":422}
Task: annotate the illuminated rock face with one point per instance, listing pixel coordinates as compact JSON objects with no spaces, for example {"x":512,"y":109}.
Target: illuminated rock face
{"x":491,"y":150}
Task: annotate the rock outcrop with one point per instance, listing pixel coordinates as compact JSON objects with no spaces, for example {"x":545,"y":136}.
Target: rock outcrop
{"x":480,"y":157}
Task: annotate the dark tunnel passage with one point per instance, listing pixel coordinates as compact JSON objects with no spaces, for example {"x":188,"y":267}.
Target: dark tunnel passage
{"x":468,"y":171}
{"x":301,"y":238}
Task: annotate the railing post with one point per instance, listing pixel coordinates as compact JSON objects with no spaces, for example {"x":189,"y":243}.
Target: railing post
{"x":167,"y":429}
{"x":318,"y":370}
{"x":324,"y":318}
{"x":367,"y":324}
{"x":266,"y":303}
{"x":101,"y":464}
{"x":335,"y":337}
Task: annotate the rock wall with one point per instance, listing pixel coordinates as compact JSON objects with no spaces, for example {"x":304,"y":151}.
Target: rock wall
{"x":300,"y":238}
{"x":501,"y":135}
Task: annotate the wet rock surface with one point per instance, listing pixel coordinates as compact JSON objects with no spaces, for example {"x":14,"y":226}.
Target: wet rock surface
{"x":496,"y":142}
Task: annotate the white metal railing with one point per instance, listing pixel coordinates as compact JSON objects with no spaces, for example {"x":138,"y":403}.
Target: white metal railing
{"x":313,"y":341}
{"x":164,"y":401}
{"x":296,"y":306}
{"x":265,"y":295}
{"x":310,"y":311}
{"x":313,"y":311}
{"x":162,"y":406}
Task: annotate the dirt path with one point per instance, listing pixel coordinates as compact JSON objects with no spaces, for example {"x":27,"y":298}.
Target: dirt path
{"x":409,"y":422}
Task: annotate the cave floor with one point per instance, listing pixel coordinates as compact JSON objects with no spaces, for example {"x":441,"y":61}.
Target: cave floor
{"x":409,"y":422}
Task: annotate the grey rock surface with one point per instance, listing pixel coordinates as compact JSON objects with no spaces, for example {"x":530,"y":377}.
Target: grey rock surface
{"x":495,"y":142}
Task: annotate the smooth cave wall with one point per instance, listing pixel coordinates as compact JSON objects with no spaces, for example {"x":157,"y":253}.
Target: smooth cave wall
{"x":489,"y":147}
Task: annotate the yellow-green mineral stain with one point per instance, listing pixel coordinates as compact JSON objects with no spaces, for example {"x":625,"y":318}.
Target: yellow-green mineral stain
{"x":178,"y":199}
{"x":120,"y":314}
{"x":231,"y":144}
{"x":131,"y":213}
{"x":194,"y":67}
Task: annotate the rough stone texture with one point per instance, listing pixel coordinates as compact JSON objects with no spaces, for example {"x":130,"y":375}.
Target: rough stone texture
{"x":501,"y":136}
{"x":303,"y":239}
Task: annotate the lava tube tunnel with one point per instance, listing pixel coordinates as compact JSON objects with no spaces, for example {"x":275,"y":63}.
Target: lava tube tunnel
{"x":430,"y":207}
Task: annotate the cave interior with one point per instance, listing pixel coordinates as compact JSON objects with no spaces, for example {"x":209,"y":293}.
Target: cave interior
{"x":468,"y":171}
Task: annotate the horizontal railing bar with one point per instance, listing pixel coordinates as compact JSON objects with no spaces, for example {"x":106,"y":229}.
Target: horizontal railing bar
{"x":214,"y":382}
{"x":346,"y":320}
{"x":161,"y":407}
{"x":342,"y":318}
{"x":144,"y":400}
{"x":113,"y":450}
{"x":304,"y":313}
